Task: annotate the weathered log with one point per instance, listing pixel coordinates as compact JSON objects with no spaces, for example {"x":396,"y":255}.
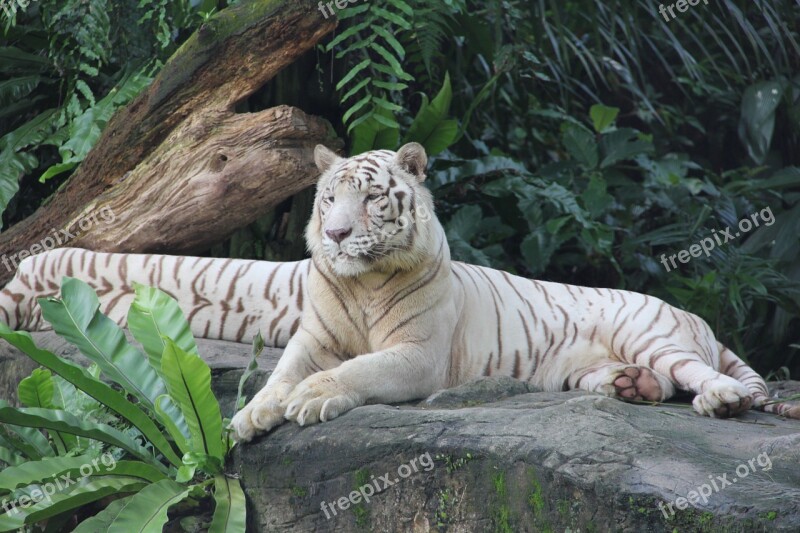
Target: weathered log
{"x":178,"y":168}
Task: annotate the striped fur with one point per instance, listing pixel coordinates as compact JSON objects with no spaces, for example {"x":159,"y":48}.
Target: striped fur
{"x":381,"y":314}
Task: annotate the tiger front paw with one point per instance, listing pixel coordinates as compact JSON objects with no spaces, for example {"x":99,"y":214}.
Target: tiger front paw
{"x":723,"y":400}
{"x":261,"y":414}
{"x":320,"y":398}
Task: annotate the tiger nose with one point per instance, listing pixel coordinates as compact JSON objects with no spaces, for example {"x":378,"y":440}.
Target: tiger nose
{"x":338,"y":235}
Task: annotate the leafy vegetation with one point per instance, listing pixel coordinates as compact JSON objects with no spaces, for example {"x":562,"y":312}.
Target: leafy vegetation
{"x":573,"y":141}
{"x":66,"y":66}
{"x":152,"y":442}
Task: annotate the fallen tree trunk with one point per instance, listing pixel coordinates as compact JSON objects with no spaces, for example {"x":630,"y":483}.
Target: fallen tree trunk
{"x":178,"y":169}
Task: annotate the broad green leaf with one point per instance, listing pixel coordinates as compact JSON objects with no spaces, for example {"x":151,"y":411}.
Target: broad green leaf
{"x":537,"y":249}
{"x":65,"y":422}
{"x":16,"y":89}
{"x":431,"y":127}
{"x":73,"y":468}
{"x":57,"y":169}
{"x":36,"y":471}
{"x":13,"y":58}
{"x":189,"y":382}
{"x":372,"y":135}
{"x":185,"y":473}
{"x":757,"y":123}
{"x":27,"y":440}
{"x":146,"y":512}
{"x":180,"y":435}
{"x":603,"y":116}
{"x":86,"y":491}
{"x":32,"y":132}
{"x":100,"y":522}
{"x":252,"y":366}
{"x":19,"y":107}
{"x":205,"y":462}
{"x":581,"y":144}
{"x":153,"y":315}
{"x":595,"y":198}
{"x":622,"y":144}
{"x":10,"y":457}
{"x":80,"y":378}
{"x":77,"y":318}
{"x":37,"y":389}
{"x":230,"y":513}
{"x":67,"y":397}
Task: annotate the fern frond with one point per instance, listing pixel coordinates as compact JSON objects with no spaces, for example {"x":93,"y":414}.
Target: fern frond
{"x":371,"y":46}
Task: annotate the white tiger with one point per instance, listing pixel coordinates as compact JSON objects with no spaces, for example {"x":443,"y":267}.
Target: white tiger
{"x":380,"y":314}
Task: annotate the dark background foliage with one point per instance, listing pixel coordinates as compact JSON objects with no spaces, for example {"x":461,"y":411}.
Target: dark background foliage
{"x":573,"y":141}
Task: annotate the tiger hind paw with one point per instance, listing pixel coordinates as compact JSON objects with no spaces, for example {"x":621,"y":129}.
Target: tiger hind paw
{"x":637,"y":383}
{"x":723,"y":400}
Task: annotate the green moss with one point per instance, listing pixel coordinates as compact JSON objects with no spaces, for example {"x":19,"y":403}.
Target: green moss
{"x":563,"y":509}
{"x":503,"y":520}
{"x":705,"y":519}
{"x":361,"y":514}
{"x":499,"y":481}
{"x":298,"y":491}
{"x":360,"y":478}
{"x":502,"y":513}
{"x":535,"y":497}
{"x":692,"y":521}
{"x":443,"y":510}
{"x":536,"y":502}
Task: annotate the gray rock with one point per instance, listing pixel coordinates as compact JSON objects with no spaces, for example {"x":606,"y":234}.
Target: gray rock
{"x":480,"y":391}
{"x":510,"y":460}
{"x":529,"y":462}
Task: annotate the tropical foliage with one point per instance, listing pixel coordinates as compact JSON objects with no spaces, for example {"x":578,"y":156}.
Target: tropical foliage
{"x":66,"y":66}
{"x":144,"y":450}
{"x":575,"y":141}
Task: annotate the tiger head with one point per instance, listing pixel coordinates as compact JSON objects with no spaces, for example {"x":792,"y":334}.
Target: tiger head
{"x":371,"y":211}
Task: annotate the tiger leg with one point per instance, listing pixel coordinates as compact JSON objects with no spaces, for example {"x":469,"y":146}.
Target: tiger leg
{"x":303,"y":357}
{"x":734,"y":367}
{"x":622,"y":381}
{"x":717,"y":395}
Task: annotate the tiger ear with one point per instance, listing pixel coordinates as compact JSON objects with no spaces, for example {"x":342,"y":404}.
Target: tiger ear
{"x":324,"y":157}
{"x":412,"y":159}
